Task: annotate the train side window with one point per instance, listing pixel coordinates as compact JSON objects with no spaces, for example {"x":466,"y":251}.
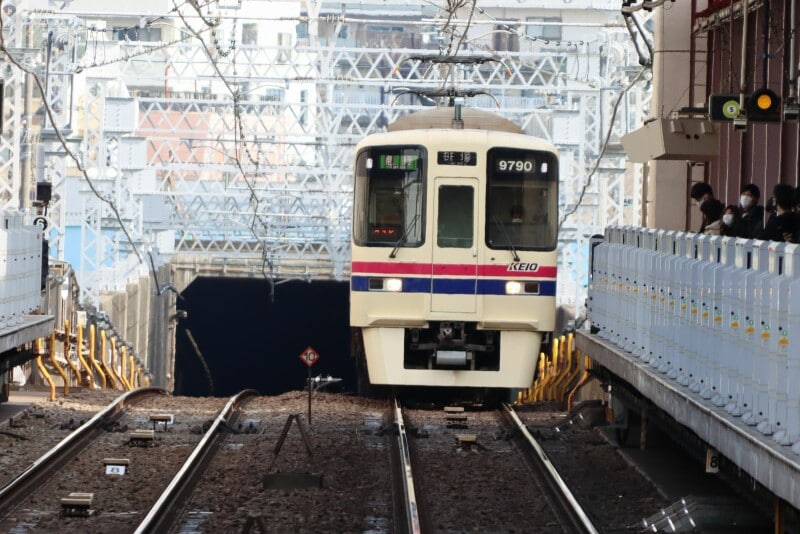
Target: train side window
{"x":389,"y":196}
{"x":521,"y":199}
{"x":455,"y":224}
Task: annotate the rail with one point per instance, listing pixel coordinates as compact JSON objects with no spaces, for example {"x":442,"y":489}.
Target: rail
{"x":68,"y":448}
{"x":411,"y":507}
{"x":569,"y":509}
{"x":167,"y":507}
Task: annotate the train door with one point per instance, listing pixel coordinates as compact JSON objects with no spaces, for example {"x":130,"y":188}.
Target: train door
{"x":455,"y":246}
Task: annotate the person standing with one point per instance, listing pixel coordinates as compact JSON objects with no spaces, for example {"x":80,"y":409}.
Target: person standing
{"x":701,"y":193}
{"x":730,"y":217}
{"x":712,"y":216}
{"x":783,"y":223}
{"x":751,"y":217}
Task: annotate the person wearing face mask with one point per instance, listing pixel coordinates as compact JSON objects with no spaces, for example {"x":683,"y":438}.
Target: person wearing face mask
{"x":751,"y":219}
{"x":783,"y":223}
{"x":730,"y":216}
{"x":701,"y":193}
{"x":712,"y":216}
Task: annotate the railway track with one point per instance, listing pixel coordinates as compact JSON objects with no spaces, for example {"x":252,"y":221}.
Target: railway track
{"x":107,"y":473}
{"x":478,"y":471}
{"x":54,"y":460}
{"x":563,"y":502}
{"x":407,"y":514}
{"x":457,"y":471}
{"x":283,"y":475}
{"x":169,"y":504}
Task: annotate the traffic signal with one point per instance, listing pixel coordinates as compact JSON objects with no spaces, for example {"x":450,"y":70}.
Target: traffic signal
{"x":764,"y":106}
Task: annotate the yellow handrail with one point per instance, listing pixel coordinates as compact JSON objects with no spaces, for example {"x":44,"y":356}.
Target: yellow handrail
{"x":72,"y":366}
{"x":103,"y":350}
{"x":587,"y":365}
{"x":123,"y":357}
{"x":95,"y":364}
{"x":55,"y":363}
{"x":43,"y":369}
{"x":113,"y":364}
{"x":84,"y":364}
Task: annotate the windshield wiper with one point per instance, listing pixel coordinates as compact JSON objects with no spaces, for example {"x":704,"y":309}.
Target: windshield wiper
{"x":404,"y":236}
{"x":502,"y":227}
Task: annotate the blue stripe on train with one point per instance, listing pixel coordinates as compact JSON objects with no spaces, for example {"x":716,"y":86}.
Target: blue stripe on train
{"x":453,"y":286}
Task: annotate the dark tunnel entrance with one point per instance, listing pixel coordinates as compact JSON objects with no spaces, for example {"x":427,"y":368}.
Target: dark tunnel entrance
{"x":248,"y":340}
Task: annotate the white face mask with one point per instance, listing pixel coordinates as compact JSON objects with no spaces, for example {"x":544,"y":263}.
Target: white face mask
{"x":700,"y":203}
{"x":727,"y":219}
{"x":745,"y":201}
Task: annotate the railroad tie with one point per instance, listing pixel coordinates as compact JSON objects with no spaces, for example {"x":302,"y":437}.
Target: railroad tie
{"x":455,"y":417}
{"x":116,"y":466}
{"x":142,"y":438}
{"x":166,"y":418}
{"x":77,"y":504}
{"x":467,"y":441}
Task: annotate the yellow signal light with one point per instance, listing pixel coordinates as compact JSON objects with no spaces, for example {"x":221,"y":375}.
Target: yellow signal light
{"x":764,"y":101}
{"x":764,"y":106}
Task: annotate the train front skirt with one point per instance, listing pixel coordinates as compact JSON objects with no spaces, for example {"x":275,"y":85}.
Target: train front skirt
{"x":385,"y":350}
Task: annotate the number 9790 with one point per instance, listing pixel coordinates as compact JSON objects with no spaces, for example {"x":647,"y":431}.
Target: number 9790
{"x":514,"y":165}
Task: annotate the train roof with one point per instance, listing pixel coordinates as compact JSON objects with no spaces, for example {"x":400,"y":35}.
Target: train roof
{"x":474,"y":119}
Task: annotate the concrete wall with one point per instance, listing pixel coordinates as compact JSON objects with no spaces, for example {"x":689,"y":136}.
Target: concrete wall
{"x":143,"y":318}
{"x":667,"y":193}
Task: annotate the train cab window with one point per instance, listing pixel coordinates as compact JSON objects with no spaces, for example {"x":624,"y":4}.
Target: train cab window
{"x":454,"y":227}
{"x":389,"y":196}
{"x":521,"y":199}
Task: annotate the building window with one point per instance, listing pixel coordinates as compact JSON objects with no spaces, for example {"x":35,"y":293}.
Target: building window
{"x":249,"y":34}
{"x":548,"y":31}
{"x":284,"y":47}
{"x":138,"y":34}
{"x":303,"y":107}
{"x":273,"y":95}
{"x":506,"y":38}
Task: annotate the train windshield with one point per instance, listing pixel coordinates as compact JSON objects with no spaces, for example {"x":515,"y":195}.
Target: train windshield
{"x":522,"y":199}
{"x":389,"y":193}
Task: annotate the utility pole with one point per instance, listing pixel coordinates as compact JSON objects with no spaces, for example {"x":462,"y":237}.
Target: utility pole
{"x":26,"y":152}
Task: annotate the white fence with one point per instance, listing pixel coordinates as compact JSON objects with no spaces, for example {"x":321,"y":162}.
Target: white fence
{"x":20,"y":268}
{"x":718,"y":315}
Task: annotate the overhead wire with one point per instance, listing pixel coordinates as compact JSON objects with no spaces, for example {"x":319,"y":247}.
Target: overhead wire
{"x":210,"y":21}
{"x":64,"y":144}
{"x":127,"y":57}
{"x":239,"y":141}
{"x":603,"y":148}
{"x":504,"y":58}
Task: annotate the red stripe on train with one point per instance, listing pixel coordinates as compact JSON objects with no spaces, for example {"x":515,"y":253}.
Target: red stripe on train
{"x":515,"y":270}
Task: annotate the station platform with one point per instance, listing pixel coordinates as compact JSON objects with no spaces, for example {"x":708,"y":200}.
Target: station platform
{"x":14,"y":348}
{"x":29,"y":329}
{"x":774,"y":466}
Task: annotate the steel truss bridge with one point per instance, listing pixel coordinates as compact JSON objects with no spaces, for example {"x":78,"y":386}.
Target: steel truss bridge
{"x":221,"y":156}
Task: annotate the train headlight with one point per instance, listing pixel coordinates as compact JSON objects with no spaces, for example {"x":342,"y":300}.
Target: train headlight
{"x":513,"y":288}
{"x":522,"y":288}
{"x":393,"y":284}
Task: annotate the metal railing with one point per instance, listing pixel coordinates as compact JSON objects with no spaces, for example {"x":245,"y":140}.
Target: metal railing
{"x":715,"y":314}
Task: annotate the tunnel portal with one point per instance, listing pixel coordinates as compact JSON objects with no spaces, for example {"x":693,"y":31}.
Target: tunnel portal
{"x":239,"y":333}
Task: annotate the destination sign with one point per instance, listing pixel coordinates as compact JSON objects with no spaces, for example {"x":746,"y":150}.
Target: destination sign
{"x":404,"y":162}
{"x":457,"y":158}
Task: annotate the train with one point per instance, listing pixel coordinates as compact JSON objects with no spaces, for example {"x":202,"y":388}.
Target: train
{"x":454,"y":236}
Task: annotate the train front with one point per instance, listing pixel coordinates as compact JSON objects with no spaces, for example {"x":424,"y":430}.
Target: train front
{"x":453,"y":256}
